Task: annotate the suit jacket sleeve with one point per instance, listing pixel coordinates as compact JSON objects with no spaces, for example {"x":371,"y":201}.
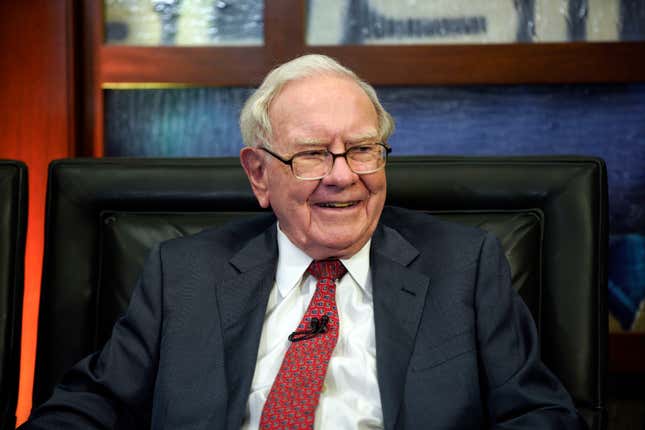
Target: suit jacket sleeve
{"x":113,"y":388}
{"x":522,"y":392}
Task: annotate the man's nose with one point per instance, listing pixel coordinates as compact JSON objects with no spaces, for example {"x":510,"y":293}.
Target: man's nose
{"x":340,"y":174}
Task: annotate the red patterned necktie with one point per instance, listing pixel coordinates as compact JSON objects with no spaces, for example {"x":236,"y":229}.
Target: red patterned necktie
{"x":293,"y":398}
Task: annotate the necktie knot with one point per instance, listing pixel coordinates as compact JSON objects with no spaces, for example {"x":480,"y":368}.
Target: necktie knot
{"x":327,"y":269}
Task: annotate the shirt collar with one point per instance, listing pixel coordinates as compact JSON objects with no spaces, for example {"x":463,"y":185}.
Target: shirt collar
{"x":293,"y":262}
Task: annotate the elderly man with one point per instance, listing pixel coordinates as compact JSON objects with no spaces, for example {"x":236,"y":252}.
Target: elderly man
{"x":333,"y":313}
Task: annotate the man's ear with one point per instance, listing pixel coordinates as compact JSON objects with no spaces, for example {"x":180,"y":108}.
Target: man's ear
{"x":254,"y":164}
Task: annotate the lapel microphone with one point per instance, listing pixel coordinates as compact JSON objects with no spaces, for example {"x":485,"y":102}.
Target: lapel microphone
{"x":316,"y":327}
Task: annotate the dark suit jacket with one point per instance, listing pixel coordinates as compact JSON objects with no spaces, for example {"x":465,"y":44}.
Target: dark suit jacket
{"x":456,"y":347}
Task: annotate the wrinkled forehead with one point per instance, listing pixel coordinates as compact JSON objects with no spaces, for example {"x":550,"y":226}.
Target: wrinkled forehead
{"x":319,"y":108}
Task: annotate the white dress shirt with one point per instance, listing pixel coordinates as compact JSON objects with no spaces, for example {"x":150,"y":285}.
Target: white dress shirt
{"x":350,"y":397}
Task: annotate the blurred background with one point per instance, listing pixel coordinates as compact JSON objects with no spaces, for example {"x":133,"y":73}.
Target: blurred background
{"x":167,"y":78}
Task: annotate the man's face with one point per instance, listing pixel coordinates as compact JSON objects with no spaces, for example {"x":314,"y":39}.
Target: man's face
{"x":336,"y":215}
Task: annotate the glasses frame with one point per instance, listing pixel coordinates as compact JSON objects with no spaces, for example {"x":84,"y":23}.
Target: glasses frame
{"x":289,"y":161}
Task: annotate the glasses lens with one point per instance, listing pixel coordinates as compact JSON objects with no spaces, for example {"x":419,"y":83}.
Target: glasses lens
{"x":366,"y":158}
{"x":311,"y":164}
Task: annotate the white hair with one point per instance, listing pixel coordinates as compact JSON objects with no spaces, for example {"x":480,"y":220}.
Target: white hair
{"x":254,"y":118}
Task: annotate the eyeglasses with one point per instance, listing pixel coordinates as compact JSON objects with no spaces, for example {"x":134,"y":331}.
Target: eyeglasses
{"x":316,"y":164}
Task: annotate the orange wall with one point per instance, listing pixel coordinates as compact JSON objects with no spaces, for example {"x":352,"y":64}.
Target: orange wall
{"x":36,"y":126}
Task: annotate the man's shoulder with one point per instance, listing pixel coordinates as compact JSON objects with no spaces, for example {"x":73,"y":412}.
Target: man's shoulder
{"x":418,"y":226}
{"x":224,"y":240}
{"x":442,"y":245}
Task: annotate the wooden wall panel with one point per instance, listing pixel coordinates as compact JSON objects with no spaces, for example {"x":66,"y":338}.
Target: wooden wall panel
{"x":36,"y":126}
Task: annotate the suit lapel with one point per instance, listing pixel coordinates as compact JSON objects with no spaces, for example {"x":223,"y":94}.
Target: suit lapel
{"x":399,"y":297}
{"x":242,"y":303}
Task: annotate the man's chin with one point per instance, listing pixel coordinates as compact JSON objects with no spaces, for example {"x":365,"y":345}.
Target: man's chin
{"x":343,"y":247}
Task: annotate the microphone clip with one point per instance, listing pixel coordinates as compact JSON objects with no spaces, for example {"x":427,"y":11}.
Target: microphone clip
{"x":316,"y":327}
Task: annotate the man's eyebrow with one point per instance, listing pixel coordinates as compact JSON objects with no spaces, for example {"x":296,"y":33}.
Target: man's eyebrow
{"x":311,"y":141}
{"x":359,"y":138}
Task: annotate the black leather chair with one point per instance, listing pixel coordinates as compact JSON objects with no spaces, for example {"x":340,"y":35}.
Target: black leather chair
{"x":549,"y":212}
{"x":13,"y":231}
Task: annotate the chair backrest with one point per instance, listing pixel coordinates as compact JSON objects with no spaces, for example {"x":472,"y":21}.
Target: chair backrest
{"x":550,"y":213}
{"x":13,"y":230}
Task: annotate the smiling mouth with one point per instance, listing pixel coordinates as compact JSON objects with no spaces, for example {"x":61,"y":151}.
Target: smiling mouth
{"x":337,"y":205}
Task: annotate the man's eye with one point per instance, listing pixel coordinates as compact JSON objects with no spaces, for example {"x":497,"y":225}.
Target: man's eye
{"x":313,"y":154}
{"x":363,"y":148}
